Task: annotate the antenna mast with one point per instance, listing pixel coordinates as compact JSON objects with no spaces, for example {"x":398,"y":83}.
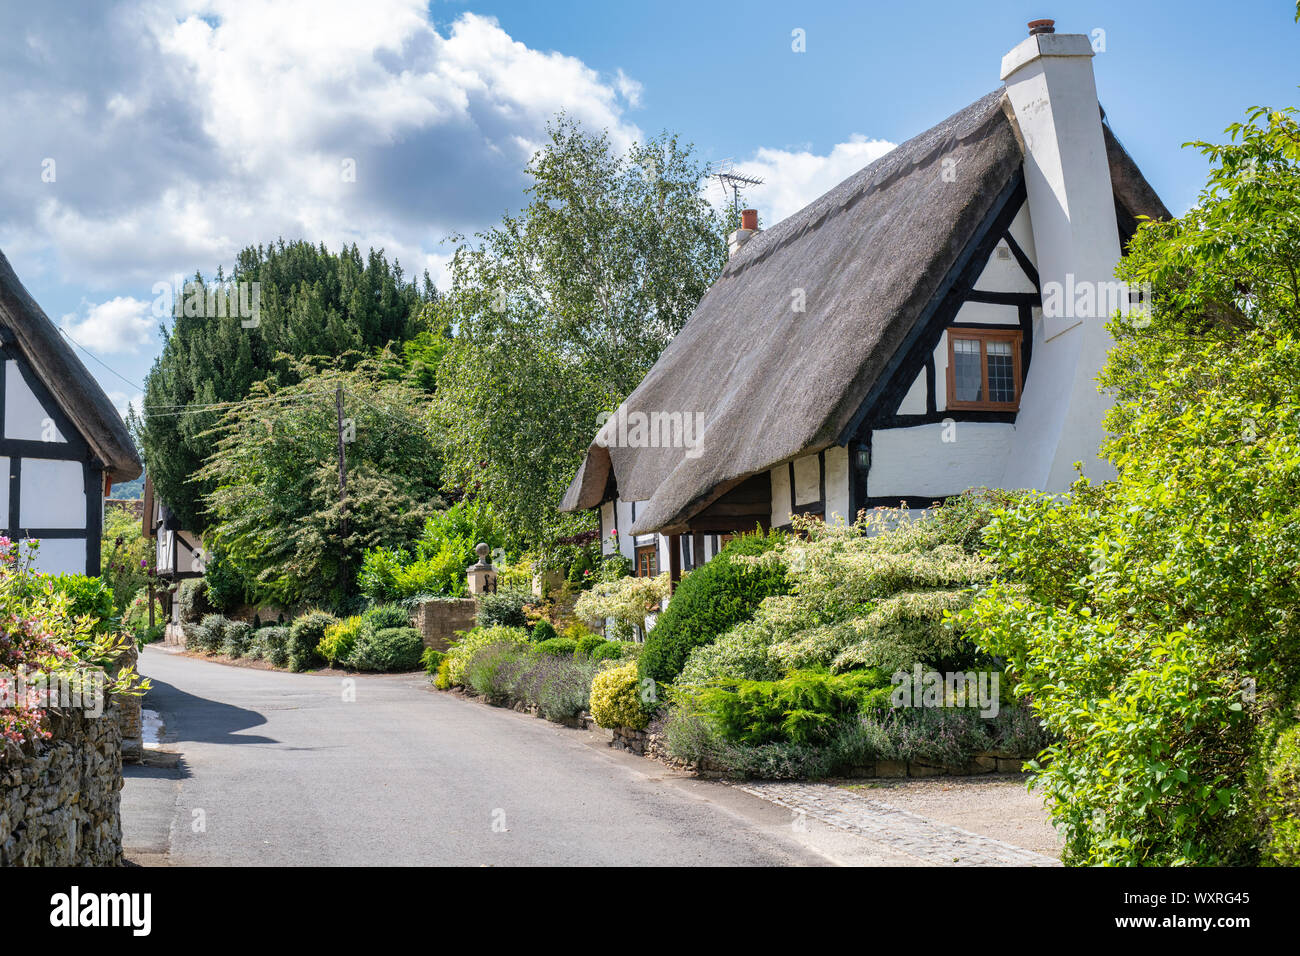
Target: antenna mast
{"x":730,"y":180}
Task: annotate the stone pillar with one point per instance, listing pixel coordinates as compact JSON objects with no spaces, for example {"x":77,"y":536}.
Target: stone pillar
{"x":482,"y":576}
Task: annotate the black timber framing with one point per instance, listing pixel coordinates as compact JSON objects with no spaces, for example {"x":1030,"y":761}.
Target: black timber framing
{"x":73,"y":448}
{"x":910,"y":359}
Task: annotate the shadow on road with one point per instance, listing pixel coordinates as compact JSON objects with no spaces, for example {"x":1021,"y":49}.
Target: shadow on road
{"x":190,"y":718}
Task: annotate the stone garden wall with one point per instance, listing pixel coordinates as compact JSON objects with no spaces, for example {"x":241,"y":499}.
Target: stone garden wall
{"x":438,"y":621}
{"x":60,"y":800}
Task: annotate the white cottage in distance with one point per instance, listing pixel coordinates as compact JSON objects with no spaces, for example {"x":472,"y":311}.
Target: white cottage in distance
{"x":63,"y":442}
{"x":887,"y":344}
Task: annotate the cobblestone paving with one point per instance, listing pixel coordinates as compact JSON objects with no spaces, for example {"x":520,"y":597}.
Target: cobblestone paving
{"x":930,"y":841}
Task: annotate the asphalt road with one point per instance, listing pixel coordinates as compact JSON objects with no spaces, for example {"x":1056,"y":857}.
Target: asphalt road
{"x":269,"y":768}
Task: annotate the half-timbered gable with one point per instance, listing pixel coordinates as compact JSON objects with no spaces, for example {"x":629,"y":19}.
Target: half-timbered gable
{"x":888,"y":344}
{"x":63,"y":442}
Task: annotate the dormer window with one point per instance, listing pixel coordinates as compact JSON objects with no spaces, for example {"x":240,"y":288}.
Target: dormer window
{"x":984,"y":369}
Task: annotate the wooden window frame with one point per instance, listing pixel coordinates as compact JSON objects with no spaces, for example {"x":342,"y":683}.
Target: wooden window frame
{"x":653,"y":551}
{"x":984,"y":336}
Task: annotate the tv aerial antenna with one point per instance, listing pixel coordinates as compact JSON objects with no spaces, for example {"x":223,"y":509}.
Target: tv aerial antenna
{"x":732,"y":181}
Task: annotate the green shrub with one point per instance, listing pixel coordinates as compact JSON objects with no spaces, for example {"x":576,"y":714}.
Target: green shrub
{"x":710,"y":601}
{"x":804,"y":707}
{"x":502,"y":610}
{"x":339,"y":640}
{"x":939,"y":736}
{"x":388,"y":650}
{"x":211,"y":633}
{"x":236,"y":639}
{"x":442,"y":680}
{"x":491,"y":671}
{"x":149,"y":635}
{"x":586,"y":644}
{"x":226,"y":587}
{"x":135,"y":618}
{"x":543,"y":630}
{"x":1281,"y":800}
{"x":616,"y":697}
{"x":460,"y":652}
{"x":272,"y":643}
{"x":192,"y":596}
{"x":743,"y":652}
{"x":431,"y":660}
{"x":610,"y":651}
{"x":557,"y":685}
{"x":557,"y":647}
{"x":89,"y":597}
{"x":305,"y":636}
{"x":436,"y":563}
{"x":383,"y":616}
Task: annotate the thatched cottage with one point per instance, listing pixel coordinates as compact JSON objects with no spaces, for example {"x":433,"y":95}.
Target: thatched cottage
{"x":63,"y":444}
{"x":934,"y":323}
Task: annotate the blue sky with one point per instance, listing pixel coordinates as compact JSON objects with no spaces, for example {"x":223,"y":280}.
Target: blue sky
{"x":181,"y":130}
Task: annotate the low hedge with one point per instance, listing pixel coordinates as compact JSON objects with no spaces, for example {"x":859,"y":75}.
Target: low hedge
{"x":388,"y":649}
{"x":558,"y":647}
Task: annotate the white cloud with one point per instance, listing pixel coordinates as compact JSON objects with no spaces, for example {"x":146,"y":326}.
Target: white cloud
{"x":792,"y":179}
{"x":121,"y":325}
{"x":186,"y":129}
{"x":629,"y":89}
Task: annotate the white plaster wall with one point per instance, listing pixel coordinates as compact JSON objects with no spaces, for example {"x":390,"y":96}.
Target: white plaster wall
{"x":807,"y":480}
{"x":61,"y":555}
{"x":987,"y":313}
{"x":25,"y":416}
{"x":163,"y":550}
{"x":917,"y":460}
{"x":607,"y":545}
{"x":4,"y":492}
{"x":837,"y":484}
{"x":1003,"y":275}
{"x":626,"y":547}
{"x":53,"y":494}
{"x":941,"y":374}
{"x":913,"y":402}
{"x":1022,"y":230}
{"x":780,"y":496}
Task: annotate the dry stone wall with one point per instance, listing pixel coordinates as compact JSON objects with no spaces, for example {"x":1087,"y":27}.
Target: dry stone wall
{"x":60,"y":800}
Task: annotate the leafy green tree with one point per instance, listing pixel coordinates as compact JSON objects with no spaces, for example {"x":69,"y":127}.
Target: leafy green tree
{"x":1152,"y":620}
{"x":278,"y":516}
{"x":561,"y":310}
{"x":124,"y":554}
{"x":312,"y":302}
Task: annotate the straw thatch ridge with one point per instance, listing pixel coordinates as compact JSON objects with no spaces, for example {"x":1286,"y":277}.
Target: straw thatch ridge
{"x":74,"y":389}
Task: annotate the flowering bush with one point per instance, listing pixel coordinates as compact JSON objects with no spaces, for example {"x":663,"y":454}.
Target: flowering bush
{"x":460,"y":653}
{"x":626,"y":600}
{"x":44,"y":644}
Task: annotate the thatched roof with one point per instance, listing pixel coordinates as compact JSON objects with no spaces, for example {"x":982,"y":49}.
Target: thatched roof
{"x":774,"y":384}
{"x":61,"y":372}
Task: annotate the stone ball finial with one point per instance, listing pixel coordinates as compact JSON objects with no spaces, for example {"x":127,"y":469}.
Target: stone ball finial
{"x":482,"y":550}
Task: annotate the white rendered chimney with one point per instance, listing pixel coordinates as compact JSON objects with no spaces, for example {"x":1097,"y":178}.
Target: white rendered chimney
{"x":1050,"y":85}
